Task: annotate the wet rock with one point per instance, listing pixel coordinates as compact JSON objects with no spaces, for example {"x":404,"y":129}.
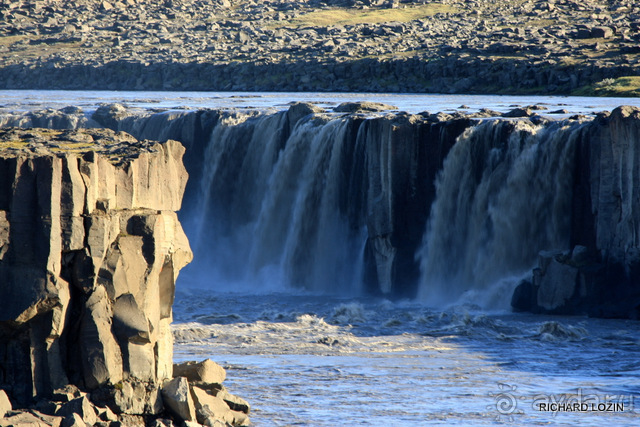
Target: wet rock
{"x":362,"y":106}
{"x":299,"y":110}
{"x":518,"y":112}
{"x":556,"y":284}
{"x":524,"y":297}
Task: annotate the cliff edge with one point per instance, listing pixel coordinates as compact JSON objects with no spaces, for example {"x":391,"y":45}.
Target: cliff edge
{"x":90,"y":249}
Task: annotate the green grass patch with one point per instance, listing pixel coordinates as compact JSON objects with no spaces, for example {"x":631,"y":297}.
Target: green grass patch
{"x":344,"y":16}
{"x":14,"y":143}
{"x":628,"y":86}
{"x":9,"y":40}
{"x":541,"y":23}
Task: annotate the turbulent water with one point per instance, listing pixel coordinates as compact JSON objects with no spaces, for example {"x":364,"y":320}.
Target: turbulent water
{"x":279,"y":224}
{"x":303,"y":359}
{"x":309,"y":358}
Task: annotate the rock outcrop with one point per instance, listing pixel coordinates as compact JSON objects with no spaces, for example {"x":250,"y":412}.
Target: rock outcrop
{"x":600,"y":275}
{"x":384,"y":186}
{"x":90,"y":248}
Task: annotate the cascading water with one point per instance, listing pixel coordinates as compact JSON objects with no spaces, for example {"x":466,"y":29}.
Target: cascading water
{"x":298,"y":204}
{"x":503,"y":195}
{"x":272,"y":206}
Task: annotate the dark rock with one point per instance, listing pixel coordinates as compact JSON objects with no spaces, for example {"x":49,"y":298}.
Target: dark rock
{"x":518,"y":112}
{"x":362,"y":106}
{"x":299,"y":110}
{"x":524,"y":297}
{"x":601,"y":32}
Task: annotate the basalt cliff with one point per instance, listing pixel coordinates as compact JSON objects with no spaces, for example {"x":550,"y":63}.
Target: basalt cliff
{"x":90,"y":249}
{"x":429,"y":206}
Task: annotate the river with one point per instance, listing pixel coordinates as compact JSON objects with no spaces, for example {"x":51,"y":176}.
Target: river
{"x":335,"y":356}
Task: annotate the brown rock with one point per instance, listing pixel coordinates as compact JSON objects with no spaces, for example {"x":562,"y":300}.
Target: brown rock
{"x":212,"y":409}
{"x":177,"y":397}
{"x":75,"y":209}
{"x":206,"y":371}
{"x":5,"y":404}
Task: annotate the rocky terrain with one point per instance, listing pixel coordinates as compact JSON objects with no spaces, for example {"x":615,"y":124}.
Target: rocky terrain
{"x":90,"y":249}
{"x":462,"y":46}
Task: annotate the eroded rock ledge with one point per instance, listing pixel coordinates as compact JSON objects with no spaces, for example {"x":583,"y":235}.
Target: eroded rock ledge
{"x":90,"y":248}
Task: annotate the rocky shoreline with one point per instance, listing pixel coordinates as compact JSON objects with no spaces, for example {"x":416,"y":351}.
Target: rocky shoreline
{"x":90,"y":249}
{"x":452,"y":46}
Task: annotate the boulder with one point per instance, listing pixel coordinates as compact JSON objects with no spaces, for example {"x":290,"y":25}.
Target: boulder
{"x":601,"y":32}
{"x":363,"y":106}
{"x":5,"y":404}
{"x":206,"y":371}
{"x":556,"y":284}
{"x":234,"y":402}
{"x":299,"y":110}
{"x":74,"y":420}
{"x":213,"y":409}
{"x":518,"y":112}
{"x":80,"y":407}
{"x":177,"y":398}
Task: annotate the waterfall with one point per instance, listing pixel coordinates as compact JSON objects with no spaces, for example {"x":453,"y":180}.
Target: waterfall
{"x":504,"y":194}
{"x":395,"y":204}
{"x":271,"y":213}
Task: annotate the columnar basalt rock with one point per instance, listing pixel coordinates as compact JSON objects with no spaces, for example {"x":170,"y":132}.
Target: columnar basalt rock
{"x":90,"y":249}
{"x":600,"y":275}
{"x":595,"y":270}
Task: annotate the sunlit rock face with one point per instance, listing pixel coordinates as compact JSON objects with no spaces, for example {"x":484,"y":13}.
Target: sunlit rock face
{"x":90,"y":248}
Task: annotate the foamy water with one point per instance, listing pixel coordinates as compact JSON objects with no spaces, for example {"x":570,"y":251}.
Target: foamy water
{"x":323,"y":361}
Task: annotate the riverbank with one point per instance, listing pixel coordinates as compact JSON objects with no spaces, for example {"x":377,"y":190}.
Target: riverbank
{"x":509,"y":47}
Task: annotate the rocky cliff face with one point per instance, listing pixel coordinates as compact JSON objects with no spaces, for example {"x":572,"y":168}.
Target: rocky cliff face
{"x":90,"y":248}
{"x":600,"y":274}
{"x":305,"y":180}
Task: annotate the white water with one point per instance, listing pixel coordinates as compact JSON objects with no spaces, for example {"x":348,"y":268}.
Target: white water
{"x":323,"y":361}
{"x":269,"y":211}
{"x":499,"y":202}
